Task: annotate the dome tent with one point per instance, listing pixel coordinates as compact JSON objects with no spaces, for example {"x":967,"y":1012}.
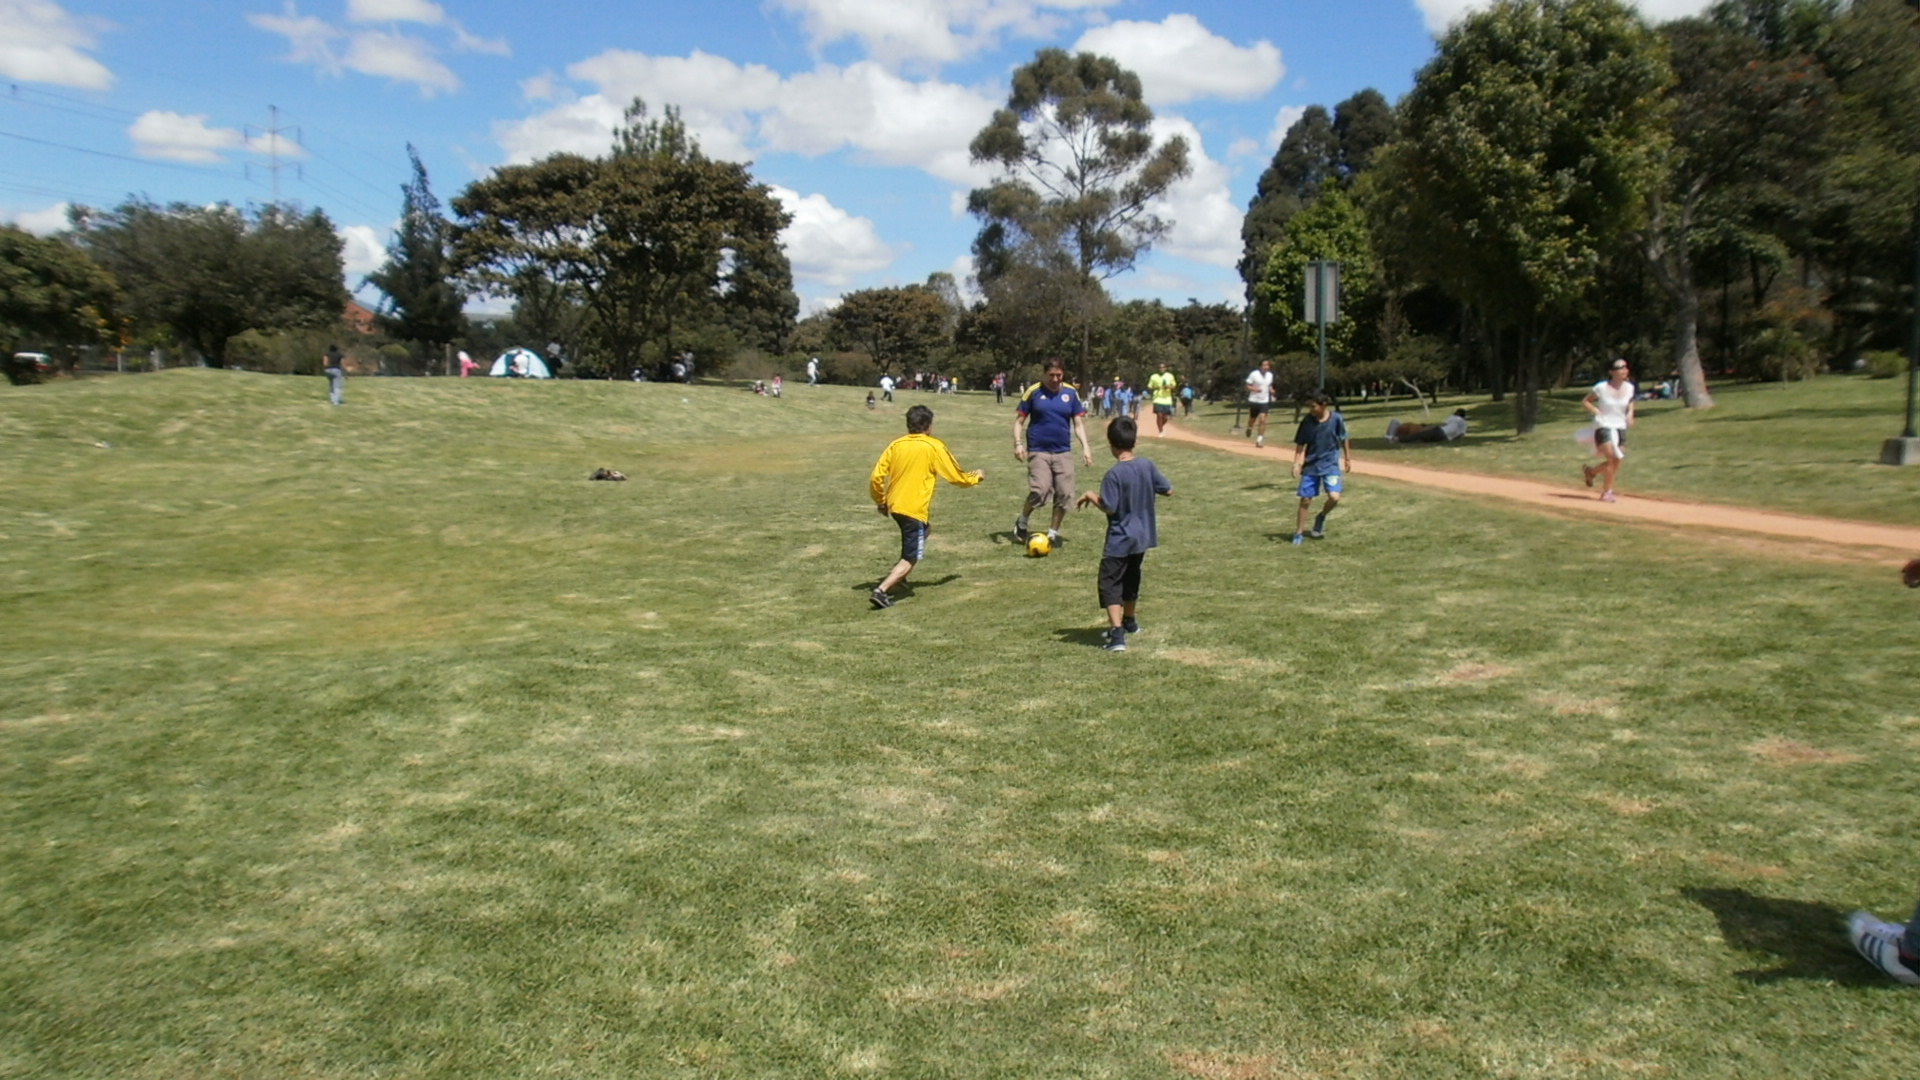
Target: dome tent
{"x":520,"y":363}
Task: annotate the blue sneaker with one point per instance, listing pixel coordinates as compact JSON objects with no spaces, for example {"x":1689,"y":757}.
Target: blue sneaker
{"x":1299,"y":538}
{"x":1129,"y":625}
{"x":880,"y":599}
{"x":1116,"y":640}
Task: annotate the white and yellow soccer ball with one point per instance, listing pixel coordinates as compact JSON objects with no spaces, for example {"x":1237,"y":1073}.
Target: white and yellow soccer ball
{"x":1038,"y":545}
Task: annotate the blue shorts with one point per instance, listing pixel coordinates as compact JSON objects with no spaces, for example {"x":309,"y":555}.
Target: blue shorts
{"x":1163,"y":410}
{"x":913,"y":537}
{"x":1311,"y":485}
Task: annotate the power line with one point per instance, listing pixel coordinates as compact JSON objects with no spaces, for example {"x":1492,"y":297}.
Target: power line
{"x":201,"y":169}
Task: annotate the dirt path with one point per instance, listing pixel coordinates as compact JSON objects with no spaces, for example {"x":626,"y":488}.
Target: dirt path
{"x":1863,"y":539}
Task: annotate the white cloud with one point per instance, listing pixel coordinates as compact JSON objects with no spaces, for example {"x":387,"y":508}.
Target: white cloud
{"x":45,"y":222}
{"x":43,"y":43}
{"x":1206,"y":217}
{"x":735,"y":110}
{"x":1442,"y":14}
{"x":931,"y":31}
{"x":387,"y":54}
{"x":309,"y":40}
{"x":1283,"y":122}
{"x":1179,"y":60}
{"x":172,"y":136}
{"x":826,"y":244}
{"x":402,"y":59}
{"x":363,"y":250}
{"x":417,"y":11}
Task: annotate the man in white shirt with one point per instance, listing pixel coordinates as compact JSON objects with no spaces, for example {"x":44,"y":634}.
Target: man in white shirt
{"x":1259,"y":400}
{"x":886,"y":388}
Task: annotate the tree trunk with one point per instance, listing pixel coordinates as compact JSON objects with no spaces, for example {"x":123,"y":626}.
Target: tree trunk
{"x":1497,"y":360}
{"x":1669,"y":256}
{"x":1526,"y":405}
{"x":1686,"y":348}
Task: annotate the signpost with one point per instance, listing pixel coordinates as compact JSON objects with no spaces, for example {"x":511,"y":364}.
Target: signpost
{"x":1322,"y":304}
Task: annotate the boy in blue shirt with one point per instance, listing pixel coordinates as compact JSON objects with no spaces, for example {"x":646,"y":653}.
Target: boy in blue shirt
{"x":1320,"y":453}
{"x":1127,"y":496}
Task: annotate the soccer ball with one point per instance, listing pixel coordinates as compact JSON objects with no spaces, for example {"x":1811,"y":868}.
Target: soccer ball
{"x":1038,"y":545}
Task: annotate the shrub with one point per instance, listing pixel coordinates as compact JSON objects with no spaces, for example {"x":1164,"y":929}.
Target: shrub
{"x":1885,"y":364}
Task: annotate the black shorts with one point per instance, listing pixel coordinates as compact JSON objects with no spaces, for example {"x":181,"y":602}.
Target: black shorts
{"x":1258,"y":408}
{"x":1120,"y":578}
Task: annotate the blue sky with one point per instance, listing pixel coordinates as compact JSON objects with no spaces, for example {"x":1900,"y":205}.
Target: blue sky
{"x":857,"y":112}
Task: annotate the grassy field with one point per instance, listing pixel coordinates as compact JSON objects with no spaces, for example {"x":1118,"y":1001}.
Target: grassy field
{"x":1810,"y":448}
{"x":378,"y":741}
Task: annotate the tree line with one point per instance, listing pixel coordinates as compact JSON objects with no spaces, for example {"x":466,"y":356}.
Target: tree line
{"x":1733,"y":194}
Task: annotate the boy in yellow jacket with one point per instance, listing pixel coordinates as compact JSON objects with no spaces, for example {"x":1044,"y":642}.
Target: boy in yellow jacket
{"x":902,"y":488}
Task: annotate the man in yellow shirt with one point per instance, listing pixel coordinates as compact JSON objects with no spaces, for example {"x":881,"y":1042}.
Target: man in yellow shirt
{"x":902,"y":488}
{"x":1162,"y":386}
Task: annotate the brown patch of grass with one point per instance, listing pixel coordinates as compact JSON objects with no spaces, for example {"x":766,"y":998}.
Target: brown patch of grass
{"x":1742,"y":868}
{"x":1779,"y":751}
{"x":1474,"y":671}
{"x":1224,"y":1066}
{"x":1565,"y":705}
{"x":1621,"y":804}
{"x":1429,"y":1032}
{"x":957,"y":993}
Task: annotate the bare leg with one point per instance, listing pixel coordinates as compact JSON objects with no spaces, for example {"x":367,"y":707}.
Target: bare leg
{"x":896,"y":575}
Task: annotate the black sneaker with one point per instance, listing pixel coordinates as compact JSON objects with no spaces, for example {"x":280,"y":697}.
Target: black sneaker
{"x":1116,"y":640}
{"x":881,"y":599}
{"x":1319,"y":526}
{"x":1020,"y":532}
{"x":1129,"y":625}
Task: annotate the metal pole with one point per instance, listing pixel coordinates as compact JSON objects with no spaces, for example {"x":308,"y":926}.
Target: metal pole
{"x":1320,"y":316}
{"x":1913,"y":338}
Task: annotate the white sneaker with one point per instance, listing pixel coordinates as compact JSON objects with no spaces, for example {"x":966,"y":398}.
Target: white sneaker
{"x":1879,"y":942}
{"x":1260,"y":441}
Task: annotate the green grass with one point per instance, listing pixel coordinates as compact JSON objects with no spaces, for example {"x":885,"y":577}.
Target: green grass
{"x":379,"y":742}
{"x":1809,"y":448}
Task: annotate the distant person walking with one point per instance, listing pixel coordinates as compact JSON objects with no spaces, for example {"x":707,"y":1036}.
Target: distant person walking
{"x":335,"y":366}
{"x":1161,"y":385}
{"x":813,"y":371}
{"x":886,"y":388}
{"x":1259,"y":400}
{"x":1611,"y":403}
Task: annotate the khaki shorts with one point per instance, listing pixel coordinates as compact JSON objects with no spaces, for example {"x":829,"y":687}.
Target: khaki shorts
{"x":1050,"y":475}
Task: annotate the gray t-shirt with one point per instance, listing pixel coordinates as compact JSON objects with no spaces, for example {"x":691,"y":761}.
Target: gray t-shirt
{"x":1127,"y":492}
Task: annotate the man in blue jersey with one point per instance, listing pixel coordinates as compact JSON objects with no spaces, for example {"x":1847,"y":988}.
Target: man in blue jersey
{"x":1045,"y":422}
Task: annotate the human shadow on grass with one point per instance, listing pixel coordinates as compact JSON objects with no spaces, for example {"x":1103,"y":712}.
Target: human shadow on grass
{"x":1808,"y":940}
{"x":1094,"y":636}
{"x":906,"y":588}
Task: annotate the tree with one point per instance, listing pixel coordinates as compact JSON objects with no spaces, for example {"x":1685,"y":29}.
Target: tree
{"x":896,"y":326}
{"x":1525,"y":153}
{"x":1332,"y":228}
{"x":1080,"y":174}
{"x":656,"y":240}
{"x":208,"y":273}
{"x":1867,"y":229}
{"x":423,"y":302}
{"x":50,"y":294}
{"x":1317,"y":152}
